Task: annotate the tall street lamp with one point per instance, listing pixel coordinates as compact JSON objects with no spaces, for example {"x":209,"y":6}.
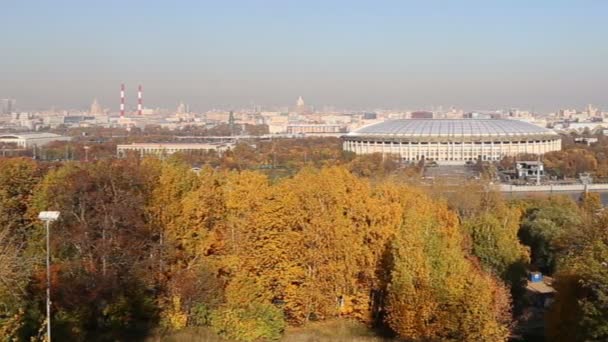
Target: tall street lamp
{"x":48,"y":217}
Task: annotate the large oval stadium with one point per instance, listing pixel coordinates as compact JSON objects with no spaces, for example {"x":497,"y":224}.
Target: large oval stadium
{"x":452,"y":141}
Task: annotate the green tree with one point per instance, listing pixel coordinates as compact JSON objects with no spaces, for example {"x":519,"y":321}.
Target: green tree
{"x":580,"y":311}
{"x":495,"y":242}
{"x":252,"y":322}
{"x":544,"y":225}
{"x":493,"y":235}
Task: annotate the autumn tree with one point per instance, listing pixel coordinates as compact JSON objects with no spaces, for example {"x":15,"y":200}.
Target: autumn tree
{"x":191,"y":238}
{"x":101,"y":246}
{"x":170,"y":183}
{"x":373,"y":165}
{"x":18,"y":178}
{"x":341,"y":228}
{"x":433,"y":291}
{"x":570,"y":162}
{"x":15,"y":270}
{"x":590,"y":203}
{"x":142,"y":242}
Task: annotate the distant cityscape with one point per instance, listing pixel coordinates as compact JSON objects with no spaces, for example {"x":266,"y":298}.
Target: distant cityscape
{"x":300,"y":118}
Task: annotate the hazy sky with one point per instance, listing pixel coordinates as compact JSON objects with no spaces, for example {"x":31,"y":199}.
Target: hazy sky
{"x":410,"y":54}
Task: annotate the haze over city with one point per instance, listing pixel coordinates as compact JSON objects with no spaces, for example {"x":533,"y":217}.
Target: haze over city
{"x":539,"y":56}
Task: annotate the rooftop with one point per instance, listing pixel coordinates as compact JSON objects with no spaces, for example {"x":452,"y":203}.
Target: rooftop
{"x":452,"y":127}
{"x":542,"y":287}
{"x":30,"y":135}
{"x":172,"y":145}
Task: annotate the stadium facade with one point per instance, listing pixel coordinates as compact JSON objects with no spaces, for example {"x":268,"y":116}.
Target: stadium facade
{"x":452,"y":141}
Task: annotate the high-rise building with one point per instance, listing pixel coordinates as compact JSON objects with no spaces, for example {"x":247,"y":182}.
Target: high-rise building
{"x":96,"y":108}
{"x":7,"y":106}
{"x":593,"y":111}
{"x":301,"y":107}
{"x":182,"y":108}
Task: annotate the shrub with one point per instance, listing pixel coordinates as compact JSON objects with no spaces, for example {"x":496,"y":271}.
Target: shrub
{"x":249,"y":323}
{"x":173,"y":317}
{"x":200,"y":315}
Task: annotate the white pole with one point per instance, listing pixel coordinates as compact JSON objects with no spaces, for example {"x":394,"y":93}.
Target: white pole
{"x":48,"y":283}
{"x":47,"y":217}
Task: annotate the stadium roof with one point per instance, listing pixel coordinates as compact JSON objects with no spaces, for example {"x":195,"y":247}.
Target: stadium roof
{"x":451,"y":128}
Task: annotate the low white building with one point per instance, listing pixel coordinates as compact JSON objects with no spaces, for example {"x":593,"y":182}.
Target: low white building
{"x":585,"y":141}
{"x":580,"y":127}
{"x":160,"y":149}
{"x":315,"y":128}
{"x":530,"y":169}
{"x":26,"y":140}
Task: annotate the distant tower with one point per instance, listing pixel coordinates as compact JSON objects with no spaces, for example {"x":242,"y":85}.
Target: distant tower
{"x":96,"y":108}
{"x":301,"y":107}
{"x":7,"y":106}
{"x":139,"y":100}
{"x":122,"y":100}
{"x":231,"y":122}
{"x":181,"y":109}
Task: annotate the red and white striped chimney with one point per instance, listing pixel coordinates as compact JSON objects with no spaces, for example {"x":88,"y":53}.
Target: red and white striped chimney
{"x":139,"y":100}
{"x":122,"y":100}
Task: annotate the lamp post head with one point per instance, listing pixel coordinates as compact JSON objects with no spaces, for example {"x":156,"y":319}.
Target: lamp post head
{"x":48,"y":215}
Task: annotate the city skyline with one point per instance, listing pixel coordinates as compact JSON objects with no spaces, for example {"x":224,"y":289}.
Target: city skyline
{"x":384,"y":54}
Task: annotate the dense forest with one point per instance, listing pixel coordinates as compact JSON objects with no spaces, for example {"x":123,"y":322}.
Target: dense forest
{"x":148,"y":245}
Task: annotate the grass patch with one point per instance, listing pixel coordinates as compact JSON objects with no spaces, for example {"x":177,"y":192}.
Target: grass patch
{"x":202,"y":334}
{"x":338,"y":330}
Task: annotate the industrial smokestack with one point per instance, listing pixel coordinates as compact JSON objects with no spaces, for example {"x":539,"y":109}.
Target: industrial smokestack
{"x":139,"y":100}
{"x":122,"y":100}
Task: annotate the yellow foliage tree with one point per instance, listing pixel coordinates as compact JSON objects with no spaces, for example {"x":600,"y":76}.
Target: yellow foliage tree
{"x":434,"y":292}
